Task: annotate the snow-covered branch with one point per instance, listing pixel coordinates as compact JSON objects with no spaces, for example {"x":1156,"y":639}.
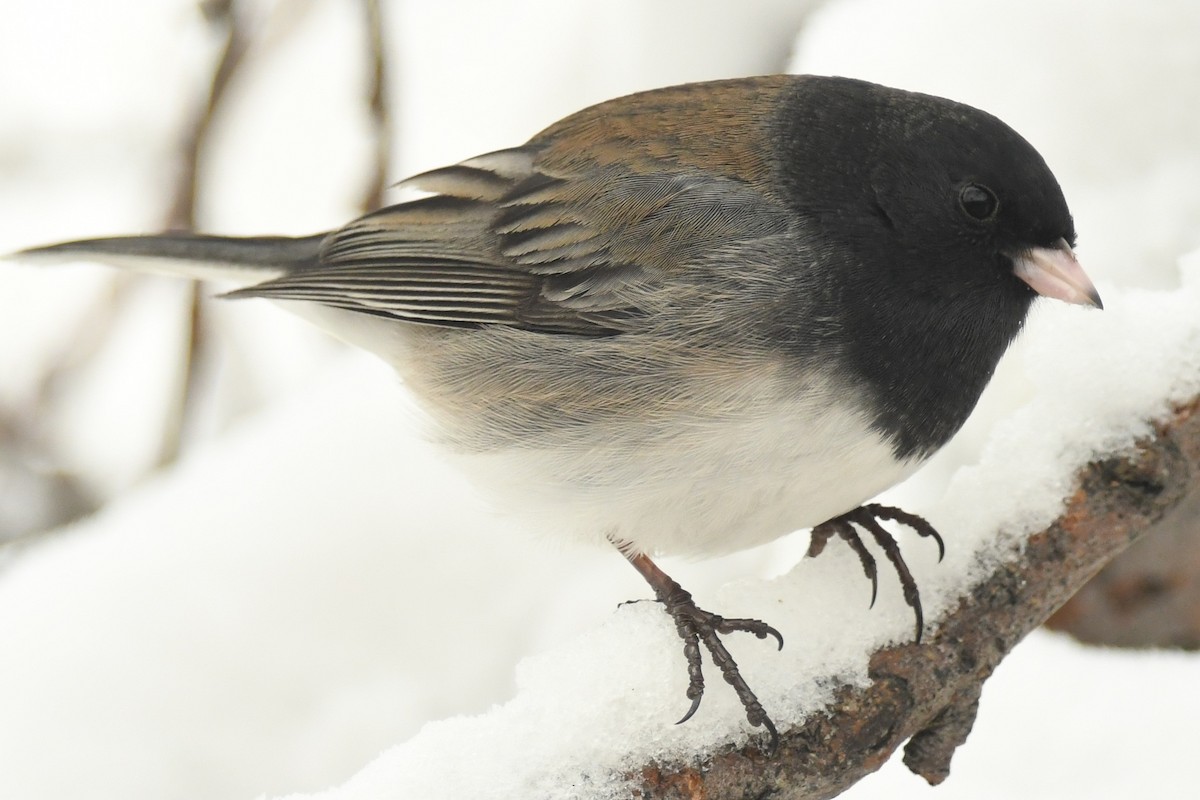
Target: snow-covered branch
{"x":927,"y":694}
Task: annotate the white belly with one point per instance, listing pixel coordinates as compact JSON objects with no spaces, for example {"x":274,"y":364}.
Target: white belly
{"x":710,"y":490}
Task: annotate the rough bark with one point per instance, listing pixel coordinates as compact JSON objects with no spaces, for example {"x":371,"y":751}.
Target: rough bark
{"x":927,"y":694}
{"x":1148,"y":596}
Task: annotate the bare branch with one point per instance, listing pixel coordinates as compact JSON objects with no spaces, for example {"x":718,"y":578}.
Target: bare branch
{"x":928,"y":693}
{"x":182,"y":216}
{"x":29,"y":458}
{"x":377,"y":104}
{"x":219,"y":14}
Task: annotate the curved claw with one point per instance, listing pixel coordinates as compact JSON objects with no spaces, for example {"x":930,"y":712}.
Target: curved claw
{"x":912,"y":521}
{"x":695,"y":705}
{"x":848,"y":535}
{"x":937,"y":537}
{"x":759,"y":628}
{"x":772,"y":632}
{"x":869,"y":520}
{"x":773,"y":744}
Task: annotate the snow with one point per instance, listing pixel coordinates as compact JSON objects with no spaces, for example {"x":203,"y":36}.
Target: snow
{"x":314,"y":599}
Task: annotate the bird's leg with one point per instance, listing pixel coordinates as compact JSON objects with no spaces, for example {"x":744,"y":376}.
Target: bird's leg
{"x":697,"y":626}
{"x":868,"y":518}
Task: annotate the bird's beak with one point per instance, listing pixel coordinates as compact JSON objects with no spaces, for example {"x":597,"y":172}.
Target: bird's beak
{"x":1055,"y":272}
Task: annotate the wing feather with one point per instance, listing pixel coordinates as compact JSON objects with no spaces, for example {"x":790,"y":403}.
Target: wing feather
{"x":518,"y":238}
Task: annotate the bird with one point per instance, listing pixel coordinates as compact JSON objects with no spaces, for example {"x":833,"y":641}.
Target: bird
{"x":689,"y":320}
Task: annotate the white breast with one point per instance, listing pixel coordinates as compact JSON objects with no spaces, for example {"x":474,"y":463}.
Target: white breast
{"x":710,"y":488}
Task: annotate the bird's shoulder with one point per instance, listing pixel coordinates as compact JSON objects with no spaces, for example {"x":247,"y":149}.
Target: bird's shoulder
{"x":721,"y":127}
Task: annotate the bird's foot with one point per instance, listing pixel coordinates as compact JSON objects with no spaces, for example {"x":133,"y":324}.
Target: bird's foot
{"x":698,"y":627}
{"x":868,"y":518}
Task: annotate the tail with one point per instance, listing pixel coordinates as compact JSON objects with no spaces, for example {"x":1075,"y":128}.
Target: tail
{"x":244,"y":261}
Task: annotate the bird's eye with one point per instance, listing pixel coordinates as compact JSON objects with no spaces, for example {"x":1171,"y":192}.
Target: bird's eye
{"x":978,"y":202}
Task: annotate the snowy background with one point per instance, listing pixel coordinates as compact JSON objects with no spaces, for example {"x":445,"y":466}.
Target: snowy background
{"x":283,"y":611}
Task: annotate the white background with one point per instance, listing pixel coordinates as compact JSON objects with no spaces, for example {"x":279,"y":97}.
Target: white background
{"x":311,"y":585}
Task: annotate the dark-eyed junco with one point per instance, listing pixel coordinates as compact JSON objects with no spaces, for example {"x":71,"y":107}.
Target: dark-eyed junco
{"x":690,"y":320}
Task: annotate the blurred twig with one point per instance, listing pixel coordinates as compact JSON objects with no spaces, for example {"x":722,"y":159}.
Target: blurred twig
{"x":220,"y":14}
{"x":36,"y":492}
{"x":225,"y":15}
{"x":377,"y":103}
{"x":30,"y":453}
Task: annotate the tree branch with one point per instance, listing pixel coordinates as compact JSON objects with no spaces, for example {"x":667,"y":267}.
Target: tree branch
{"x":927,"y":694}
{"x":1148,"y":596}
{"x":182,"y":216}
{"x":377,"y":107}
